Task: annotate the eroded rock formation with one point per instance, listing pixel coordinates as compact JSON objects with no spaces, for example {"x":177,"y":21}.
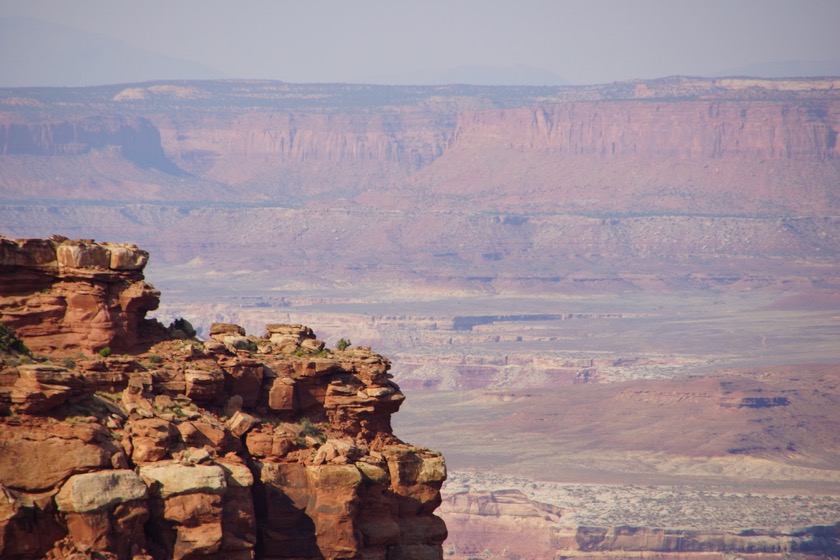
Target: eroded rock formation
{"x":63,"y":295}
{"x":136,"y":139}
{"x":238,"y":447}
{"x":675,"y":145}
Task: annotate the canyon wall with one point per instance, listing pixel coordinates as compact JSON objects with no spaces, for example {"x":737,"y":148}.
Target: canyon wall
{"x":507,"y":524}
{"x":687,"y":129}
{"x":136,"y":139}
{"x":693,"y":146}
{"x":464,"y":188}
{"x":164,"y":446}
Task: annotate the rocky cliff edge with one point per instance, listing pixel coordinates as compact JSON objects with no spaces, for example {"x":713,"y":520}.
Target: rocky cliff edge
{"x":122,"y":438}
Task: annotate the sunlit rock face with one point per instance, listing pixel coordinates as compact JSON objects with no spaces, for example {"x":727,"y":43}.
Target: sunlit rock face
{"x":64,"y":295}
{"x":241,"y":446}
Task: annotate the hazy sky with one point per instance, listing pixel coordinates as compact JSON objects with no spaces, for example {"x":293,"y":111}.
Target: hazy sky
{"x":583,"y":41}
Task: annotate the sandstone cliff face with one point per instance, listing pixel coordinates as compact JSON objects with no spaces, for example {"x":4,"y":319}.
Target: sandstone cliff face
{"x":137,"y":139}
{"x":63,"y":295}
{"x":238,"y":447}
{"x":677,"y":156}
{"x":560,"y":154}
{"x":686,"y":130}
{"x":411,"y":138}
{"x":680,"y":145}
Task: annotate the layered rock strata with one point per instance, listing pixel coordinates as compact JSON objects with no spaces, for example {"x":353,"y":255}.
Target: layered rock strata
{"x":683,"y":145}
{"x":237,"y":447}
{"x":63,"y":295}
{"x":508,"y":524}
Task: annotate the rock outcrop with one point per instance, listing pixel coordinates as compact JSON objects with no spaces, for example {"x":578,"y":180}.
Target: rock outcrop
{"x":237,"y":447}
{"x":63,"y":295}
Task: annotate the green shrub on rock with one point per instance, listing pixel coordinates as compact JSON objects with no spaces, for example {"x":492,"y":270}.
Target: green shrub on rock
{"x":10,"y":343}
{"x":343,"y":344}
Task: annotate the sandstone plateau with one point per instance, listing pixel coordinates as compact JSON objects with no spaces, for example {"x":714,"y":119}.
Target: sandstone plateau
{"x":122,"y":438}
{"x":482,"y":189}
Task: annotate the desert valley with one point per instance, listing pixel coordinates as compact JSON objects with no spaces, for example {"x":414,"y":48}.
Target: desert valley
{"x":614,"y":309}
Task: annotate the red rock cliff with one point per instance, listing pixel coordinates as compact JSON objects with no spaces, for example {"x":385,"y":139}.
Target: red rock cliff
{"x":238,"y":447}
{"x":137,"y":139}
{"x":678,"y":144}
{"x":686,"y":129}
{"x":63,"y":295}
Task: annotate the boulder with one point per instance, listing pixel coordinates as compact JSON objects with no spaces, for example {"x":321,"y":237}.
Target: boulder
{"x":83,"y":255}
{"x":212,"y":346}
{"x":236,"y":342}
{"x":259,"y":443}
{"x":201,"y":433}
{"x":280,"y":333}
{"x":100,"y":490}
{"x":240,"y":423}
{"x":204,"y":386}
{"x":151,"y":439}
{"x":105,"y":510}
{"x":432,"y":469}
{"x":39,"y":456}
{"x":117,"y":532}
{"x":219,"y":330}
{"x":334,"y":507}
{"x":127,"y":257}
{"x":312,"y":344}
{"x":190,"y":499}
{"x":171,"y":479}
{"x":281,"y":396}
{"x":196,"y":518}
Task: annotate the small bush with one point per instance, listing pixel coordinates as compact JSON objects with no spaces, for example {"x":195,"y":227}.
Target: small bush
{"x":105,"y":352}
{"x":10,"y":343}
{"x":181,"y":324}
{"x":155,"y":359}
{"x":343,"y":344}
{"x":308,"y":429}
{"x":69,"y":363}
